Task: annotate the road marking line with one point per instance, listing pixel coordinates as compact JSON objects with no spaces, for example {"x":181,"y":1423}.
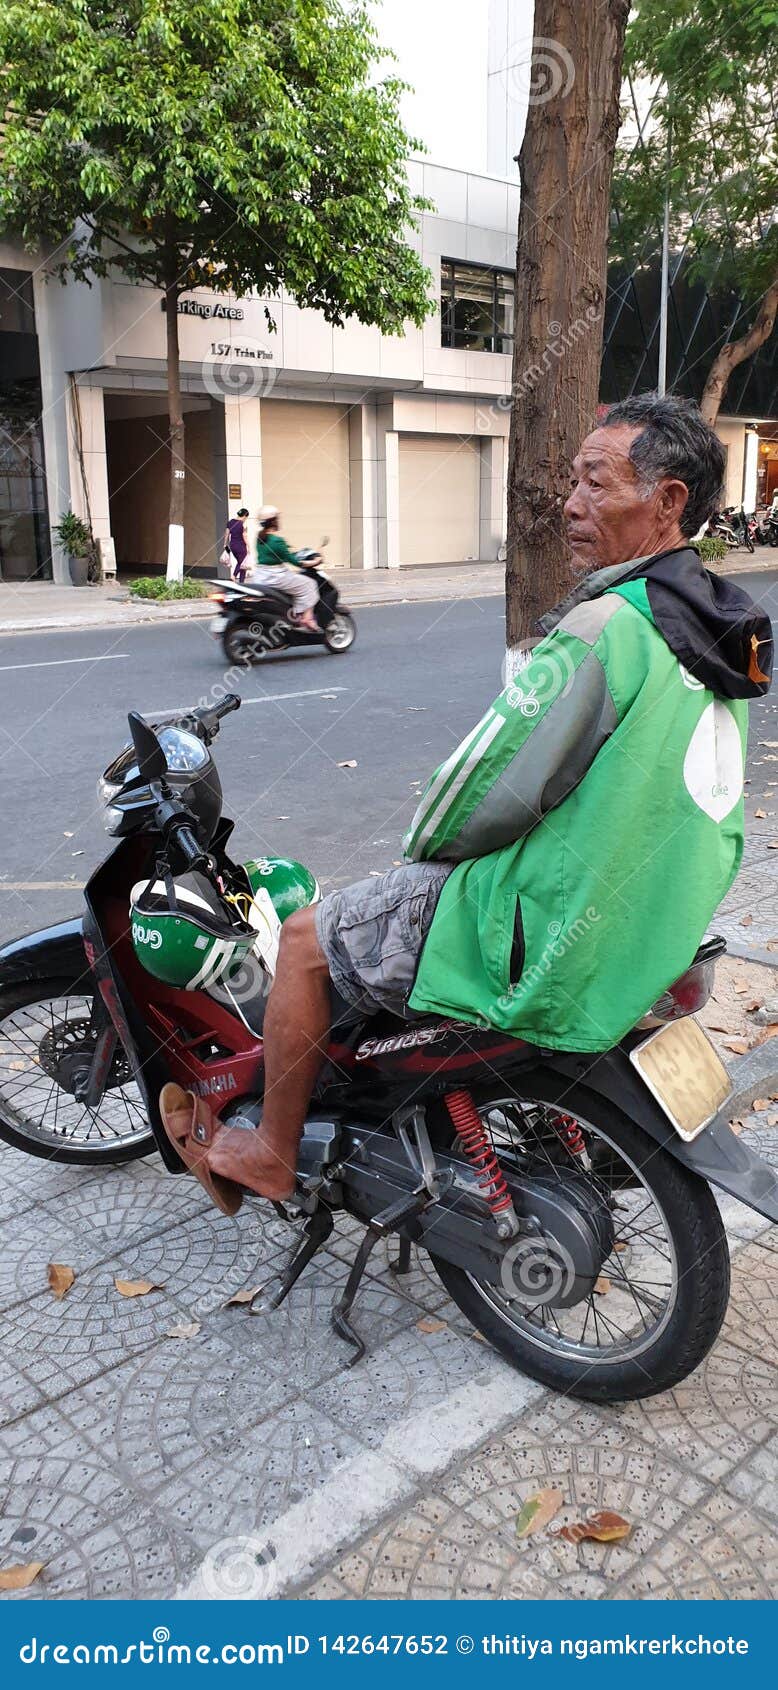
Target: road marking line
{"x":61,"y":662}
{"x":267,"y":698}
{"x":42,"y":885}
{"x":313,"y":692}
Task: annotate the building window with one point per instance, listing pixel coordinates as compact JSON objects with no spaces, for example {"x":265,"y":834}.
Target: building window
{"x":476,"y":307}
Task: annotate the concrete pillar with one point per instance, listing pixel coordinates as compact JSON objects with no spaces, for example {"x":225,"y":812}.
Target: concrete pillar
{"x":88,"y":465}
{"x":389,"y":493}
{"x":243,"y":457}
{"x":54,"y":422}
{"x":493,"y":497}
{"x":365,"y":473}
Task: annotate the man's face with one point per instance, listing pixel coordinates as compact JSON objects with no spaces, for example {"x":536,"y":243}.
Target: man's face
{"x":609,"y":518}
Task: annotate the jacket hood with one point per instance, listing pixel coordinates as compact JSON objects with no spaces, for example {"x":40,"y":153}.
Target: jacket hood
{"x":712,"y":627}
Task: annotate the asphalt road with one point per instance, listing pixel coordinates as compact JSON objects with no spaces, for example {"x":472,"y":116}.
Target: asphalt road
{"x":417,"y":679}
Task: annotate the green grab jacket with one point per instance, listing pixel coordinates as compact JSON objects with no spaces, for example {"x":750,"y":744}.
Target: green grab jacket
{"x":595,"y":813}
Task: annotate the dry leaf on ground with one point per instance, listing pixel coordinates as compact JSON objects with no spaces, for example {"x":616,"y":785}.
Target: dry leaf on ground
{"x":746,"y":920}
{"x":736,"y":1127}
{"x":760,"y":815}
{"x":619,"y":1245}
{"x":760,"y":1103}
{"x":60,"y":1279}
{"x":601,"y":1286}
{"x":241,"y":1297}
{"x":350,"y":763}
{"x":189,"y":1331}
{"x":536,"y":1512}
{"x":136,"y":1287}
{"x":739,"y":1046}
{"x":603,"y":1527}
{"x":430,"y":1323}
{"x":18,"y":1578}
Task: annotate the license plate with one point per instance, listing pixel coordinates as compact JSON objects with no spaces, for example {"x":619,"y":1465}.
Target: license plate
{"x":218,"y":624}
{"x":684,"y":1074}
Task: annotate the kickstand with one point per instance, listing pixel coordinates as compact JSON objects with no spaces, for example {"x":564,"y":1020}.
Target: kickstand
{"x":388,"y":1221}
{"x":403,"y":1263}
{"x":316,"y":1231}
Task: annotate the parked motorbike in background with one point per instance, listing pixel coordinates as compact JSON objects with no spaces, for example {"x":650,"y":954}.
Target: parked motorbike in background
{"x":254,"y":621}
{"x":535,"y":1180}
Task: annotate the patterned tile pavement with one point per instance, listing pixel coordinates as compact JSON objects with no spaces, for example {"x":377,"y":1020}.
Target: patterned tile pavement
{"x":126,"y":1454}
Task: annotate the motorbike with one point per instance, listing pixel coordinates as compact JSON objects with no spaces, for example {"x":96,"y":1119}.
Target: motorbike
{"x":744,"y":526}
{"x":564,"y":1200}
{"x":722,"y":527}
{"x":254,"y":621}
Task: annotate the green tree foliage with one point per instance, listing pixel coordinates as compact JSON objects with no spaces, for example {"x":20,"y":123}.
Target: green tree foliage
{"x":715,"y":63}
{"x":238,"y":144}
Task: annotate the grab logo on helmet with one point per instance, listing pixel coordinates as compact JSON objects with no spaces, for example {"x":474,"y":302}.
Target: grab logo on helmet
{"x":146,"y":936}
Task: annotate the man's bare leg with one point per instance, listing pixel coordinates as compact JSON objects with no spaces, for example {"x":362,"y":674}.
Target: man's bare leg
{"x":296,"y":1034}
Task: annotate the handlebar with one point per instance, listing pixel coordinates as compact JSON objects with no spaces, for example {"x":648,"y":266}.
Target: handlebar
{"x":189,"y":846}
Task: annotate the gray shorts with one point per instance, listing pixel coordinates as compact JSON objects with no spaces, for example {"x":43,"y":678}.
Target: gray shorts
{"x":372,"y":934}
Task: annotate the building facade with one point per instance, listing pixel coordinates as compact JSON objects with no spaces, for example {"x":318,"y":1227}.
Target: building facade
{"x":395,"y":448}
{"x":385,"y":444}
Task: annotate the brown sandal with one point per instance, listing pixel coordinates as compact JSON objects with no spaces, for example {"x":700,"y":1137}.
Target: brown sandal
{"x":191,"y":1138}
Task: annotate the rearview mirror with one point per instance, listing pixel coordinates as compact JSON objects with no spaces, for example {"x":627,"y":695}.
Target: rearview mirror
{"x":152,"y":764}
{"x":324,"y":541}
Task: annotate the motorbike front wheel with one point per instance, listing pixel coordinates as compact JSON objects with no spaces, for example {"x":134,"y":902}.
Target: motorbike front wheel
{"x":47,"y":1040}
{"x":662,"y":1292}
{"x":340,"y":633}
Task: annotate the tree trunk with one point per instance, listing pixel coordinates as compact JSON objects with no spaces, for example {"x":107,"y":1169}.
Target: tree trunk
{"x":736,"y":352}
{"x":175,"y":533}
{"x":565,"y":165}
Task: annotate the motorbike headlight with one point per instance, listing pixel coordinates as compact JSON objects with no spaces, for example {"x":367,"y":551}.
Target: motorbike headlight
{"x":107,"y":790}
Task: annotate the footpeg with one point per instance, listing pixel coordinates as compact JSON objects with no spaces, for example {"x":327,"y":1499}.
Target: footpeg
{"x":390,"y":1220}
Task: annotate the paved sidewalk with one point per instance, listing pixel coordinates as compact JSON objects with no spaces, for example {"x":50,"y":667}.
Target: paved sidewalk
{"x":37,"y":606}
{"x":249,"y":1458}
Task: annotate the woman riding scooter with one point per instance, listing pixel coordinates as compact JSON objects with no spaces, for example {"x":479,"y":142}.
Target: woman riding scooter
{"x":278,"y":567}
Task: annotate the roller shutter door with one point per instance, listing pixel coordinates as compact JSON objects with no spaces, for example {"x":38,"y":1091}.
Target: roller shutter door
{"x":305,"y":471}
{"x":439,"y":494}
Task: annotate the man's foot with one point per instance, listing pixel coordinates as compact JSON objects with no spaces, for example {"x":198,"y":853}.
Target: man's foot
{"x":192,"y":1128}
{"x":250,"y":1159}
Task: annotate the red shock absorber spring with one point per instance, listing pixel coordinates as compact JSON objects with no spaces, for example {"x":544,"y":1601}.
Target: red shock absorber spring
{"x":570,"y":1133}
{"x":479,"y":1150}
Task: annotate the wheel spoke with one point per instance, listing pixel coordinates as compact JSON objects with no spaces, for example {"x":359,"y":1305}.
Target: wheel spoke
{"x":54,"y":1039}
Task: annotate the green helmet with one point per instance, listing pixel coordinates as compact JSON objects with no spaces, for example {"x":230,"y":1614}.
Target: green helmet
{"x":184,"y":933}
{"x":279,"y":887}
{"x":290,"y":885}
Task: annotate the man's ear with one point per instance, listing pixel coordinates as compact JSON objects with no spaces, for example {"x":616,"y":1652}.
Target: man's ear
{"x":673,"y":499}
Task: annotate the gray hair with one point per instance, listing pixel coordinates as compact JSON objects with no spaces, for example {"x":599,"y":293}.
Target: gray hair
{"x":674,"y":444}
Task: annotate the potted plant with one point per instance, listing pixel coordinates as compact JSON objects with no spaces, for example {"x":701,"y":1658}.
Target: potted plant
{"x":75,"y":538}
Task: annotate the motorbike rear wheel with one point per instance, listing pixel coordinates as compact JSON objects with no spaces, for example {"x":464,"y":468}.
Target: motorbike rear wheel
{"x":661,"y":1295}
{"x":241,"y":648}
{"x":45,"y":1036}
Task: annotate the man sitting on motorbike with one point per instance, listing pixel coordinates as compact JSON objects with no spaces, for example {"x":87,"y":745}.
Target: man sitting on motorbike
{"x":567,"y":858}
{"x":278,"y":567}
